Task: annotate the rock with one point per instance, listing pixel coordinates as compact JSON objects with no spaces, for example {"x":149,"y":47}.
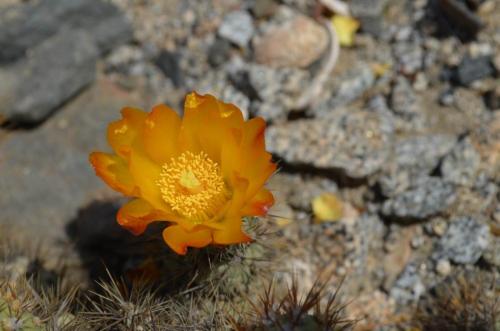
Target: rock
{"x":464,"y":241}
{"x":219,"y":52}
{"x":351,"y":141}
{"x":123,"y":57}
{"x":237,"y":27}
{"x":485,"y":138}
{"x":301,"y":42}
{"x":446,"y":98}
{"x":423,"y":152}
{"x":403,"y":99}
{"x":428,"y":197}
{"x":168,"y":63}
{"x":413,"y":158}
{"x":264,"y":8}
{"x":374,"y":26}
{"x":346,"y":88}
{"x":409,"y":56}
{"x":438,"y":227}
{"x":367,"y":8}
{"x":443,"y":267}
{"x":490,"y":255}
{"x":470,"y":104}
{"x":463,"y":21}
{"x":417,"y":241}
{"x":462,"y":164}
{"x":404,"y":33}
{"x":26,"y":25}
{"x":370,"y":14}
{"x":470,"y":70}
{"x":46,"y":172}
{"x":421,"y":82}
{"x":33,"y":88}
{"x":277,"y":89}
{"x":409,"y":286}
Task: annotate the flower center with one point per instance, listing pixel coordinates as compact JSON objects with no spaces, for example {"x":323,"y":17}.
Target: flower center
{"x":193,"y":186}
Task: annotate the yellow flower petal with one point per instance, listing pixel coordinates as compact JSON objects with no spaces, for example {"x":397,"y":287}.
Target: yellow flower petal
{"x":259,"y":205}
{"x":122,"y":133}
{"x":346,"y":28}
{"x":207,"y":122}
{"x":179,"y":239}
{"x":145,"y":173}
{"x":161,"y":131}
{"x":327,"y":207}
{"x":135,"y":215}
{"x":113,"y":170}
{"x":231,"y":233}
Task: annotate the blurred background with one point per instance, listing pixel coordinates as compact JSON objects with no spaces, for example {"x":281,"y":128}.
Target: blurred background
{"x":384,"y":116}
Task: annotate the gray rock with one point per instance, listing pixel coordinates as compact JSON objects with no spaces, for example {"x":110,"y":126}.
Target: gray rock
{"x":237,"y":27}
{"x":446,"y":98}
{"x":364,"y":8}
{"x":347,"y":140}
{"x":278,"y":89}
{"x":428,"y":197}
{"x":409,"y":286}
{"x":264,"y":8}
{"x":25,"y":26}
{"x":52,"y":73}
{"x":45,"y":174}
{"x":219,"y":52}
{"x":168,"y":62}
{"x":443,"y":267}
{"x":374,"y":25}
{"x":346,"y":88}
{"x":410,"y":57}
{"x":470,"y":70}
{"x":403,"y":99}
{"x":414,"y":158}
{"x":370,"y":14}
{"x":464,"y":241}
{"x":462,"y":164}
{"x":423,"y":152}
{"x":490,"y":255}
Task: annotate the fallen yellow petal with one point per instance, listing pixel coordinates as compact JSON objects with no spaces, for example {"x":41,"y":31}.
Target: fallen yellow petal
{"x":327,"y":207}
{"x":346,"y":27}
{"x":379,"y":69}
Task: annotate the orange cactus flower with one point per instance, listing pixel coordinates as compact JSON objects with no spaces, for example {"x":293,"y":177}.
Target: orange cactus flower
{"x":202,"y":173}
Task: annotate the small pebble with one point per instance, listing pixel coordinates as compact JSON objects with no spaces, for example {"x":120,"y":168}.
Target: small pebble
{"x":473,"y":69}
{"x":237,"y":27}
{"x":443,"y":267}
{"x":421,"y":82}
{"x":496,"y":215}
{"x":446,"y":98}
{"x":439,"y":227}
{"x":417,"y":241}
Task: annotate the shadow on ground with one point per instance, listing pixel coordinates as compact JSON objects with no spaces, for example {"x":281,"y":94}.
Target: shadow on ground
{"x":107,"y":249}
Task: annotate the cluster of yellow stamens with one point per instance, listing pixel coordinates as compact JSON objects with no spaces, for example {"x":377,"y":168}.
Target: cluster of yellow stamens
{"x":193,"y":186}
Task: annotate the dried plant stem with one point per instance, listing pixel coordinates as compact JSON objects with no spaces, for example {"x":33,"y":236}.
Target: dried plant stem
{"x":337,"y":6}
{"x":310,"y":96}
